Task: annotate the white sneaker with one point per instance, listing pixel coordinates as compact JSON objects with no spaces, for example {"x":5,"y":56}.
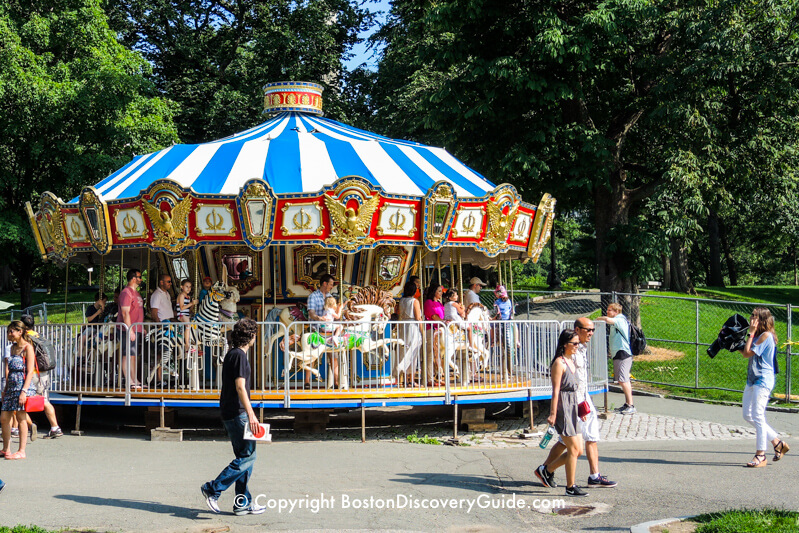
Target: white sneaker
{"x":254,"y":508}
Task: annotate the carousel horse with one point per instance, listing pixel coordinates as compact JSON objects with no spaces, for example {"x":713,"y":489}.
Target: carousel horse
{"x":462,"y":344}
{"x":97,"y":346}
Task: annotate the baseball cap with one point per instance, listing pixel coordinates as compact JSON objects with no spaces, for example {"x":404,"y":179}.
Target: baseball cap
{"x":501,"y":291}
{"x":477,"y":281}
{"x":207,"y":278}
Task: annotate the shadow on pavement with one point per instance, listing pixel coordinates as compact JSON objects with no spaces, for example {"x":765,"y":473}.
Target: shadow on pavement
{"x":141,"y":505}
{"x":475,"y":483}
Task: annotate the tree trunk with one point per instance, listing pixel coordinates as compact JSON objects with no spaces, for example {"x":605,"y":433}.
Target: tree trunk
{"x":23,"y":269}
{"x":732,"y":271}
{"x":715,"y":277}
{"x":553,"y":280}
{"x":681,"y":279}
{"x":666,"y":272}
{"x":612,"y":208}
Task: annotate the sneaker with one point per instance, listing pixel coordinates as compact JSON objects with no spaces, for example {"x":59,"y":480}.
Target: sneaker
{"x":55,"y":433}
{"x":254,"y":508}
{"x":551,"y":479}
{"x":630,"y":410}
{"x":574,"y":490}
{"x":543,"y":476}
{"x":2,"y":486}
{"x":601,"y":481}
{"x":210,"y":500}
{"x":15,"y":432}
{"x":622,"y":408}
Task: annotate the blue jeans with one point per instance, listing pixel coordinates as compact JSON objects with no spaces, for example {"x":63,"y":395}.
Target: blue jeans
{"x":240,"y":469}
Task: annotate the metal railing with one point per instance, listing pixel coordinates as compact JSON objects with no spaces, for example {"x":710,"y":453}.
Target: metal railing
{"x":679,"y":330}
{"x":375,"y":358}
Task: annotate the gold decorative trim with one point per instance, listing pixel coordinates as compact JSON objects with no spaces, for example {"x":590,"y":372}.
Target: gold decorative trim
{"x":99,"y":236}
{"x":52,"y":228}
{"x":170,"y":228}
{"x":399,"y":223}
{"x":212,"y":222}
{"x":388,"y":251}
{"x":442,"y":195}
{"x":542,"y":227}
{"x":319,"y":229}
{"x":257,"y":191}
{"x":349,"y":228}
{"x":35,"y":227}
{"x":499,"y":225}
{"x":145,"y":230}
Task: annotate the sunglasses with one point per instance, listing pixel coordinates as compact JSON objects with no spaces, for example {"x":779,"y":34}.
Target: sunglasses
{"x":575,"y":343}
{"x":586,"y":329}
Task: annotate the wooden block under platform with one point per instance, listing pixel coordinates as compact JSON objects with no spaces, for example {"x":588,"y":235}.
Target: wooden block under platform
{"x":473,"y":416}
{"x":152,"y":417}
{"x":481,"y":426}
{"x":311,"y":420}
{"x":166,"y":434}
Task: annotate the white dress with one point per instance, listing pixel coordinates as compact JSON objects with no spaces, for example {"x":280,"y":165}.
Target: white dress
{"x":412,"y":337}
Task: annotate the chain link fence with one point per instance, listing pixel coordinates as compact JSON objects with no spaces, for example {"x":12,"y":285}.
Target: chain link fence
{"x":678,"y":331}
{"x":53,"y":313}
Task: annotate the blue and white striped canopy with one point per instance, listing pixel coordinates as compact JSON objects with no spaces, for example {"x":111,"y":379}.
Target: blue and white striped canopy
{"x":296,"y":153}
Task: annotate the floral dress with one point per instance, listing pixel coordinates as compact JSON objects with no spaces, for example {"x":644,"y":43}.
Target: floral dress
{"x":15,"y":381}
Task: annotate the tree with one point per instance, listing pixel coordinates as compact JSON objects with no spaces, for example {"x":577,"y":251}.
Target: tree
{"x":75,"y":106}
{"x":619,"y":106}
{"x":214,"y":56}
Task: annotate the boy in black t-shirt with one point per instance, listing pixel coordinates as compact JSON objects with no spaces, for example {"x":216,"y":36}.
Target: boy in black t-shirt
{"x":237,"y":412}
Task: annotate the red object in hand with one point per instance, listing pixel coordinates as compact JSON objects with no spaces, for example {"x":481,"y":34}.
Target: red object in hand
{"x":260,"y":432}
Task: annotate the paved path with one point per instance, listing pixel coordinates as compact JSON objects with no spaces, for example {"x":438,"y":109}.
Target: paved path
{"x":559,"y":308}
{"x":121,"y":482}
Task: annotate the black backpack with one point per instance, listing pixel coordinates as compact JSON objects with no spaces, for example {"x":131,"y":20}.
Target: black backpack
{"x":45,"y":354}
{"x":637,"y":340}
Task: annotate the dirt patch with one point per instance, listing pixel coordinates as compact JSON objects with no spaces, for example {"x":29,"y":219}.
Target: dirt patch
{"x":659,"y":354}
{"x":678,"y":526}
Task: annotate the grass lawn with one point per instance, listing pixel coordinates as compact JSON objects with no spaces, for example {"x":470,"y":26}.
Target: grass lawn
{"x":763,"y":521}
{"x":41,"y":297}
{"x":762,"y":294}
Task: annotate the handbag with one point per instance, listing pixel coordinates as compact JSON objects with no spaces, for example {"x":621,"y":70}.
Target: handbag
{"x":583,"y":408}
{"x":34,"y":404}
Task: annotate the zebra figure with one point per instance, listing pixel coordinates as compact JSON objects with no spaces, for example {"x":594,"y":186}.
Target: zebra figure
{"x":205,"y":329}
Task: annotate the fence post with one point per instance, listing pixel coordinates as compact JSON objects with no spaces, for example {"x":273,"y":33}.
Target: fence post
{"x":788,"y":359}
{"x":615,"y":297}
{"x":528,"y":305}
{"x":696,"y":379}
{"x":45,"y":312}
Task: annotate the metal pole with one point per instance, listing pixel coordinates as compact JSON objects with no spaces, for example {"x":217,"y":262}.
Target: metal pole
{"x":788,"y":358}
{"x":274,"y":276}
{"x":696,"y":379}
{"x":455,"y":421}
{"x":438,"y":267}
{"x":460,"y":276}
{"x":363,"y":419}
{"x":121,"y":268}
{"x":510,"y":277}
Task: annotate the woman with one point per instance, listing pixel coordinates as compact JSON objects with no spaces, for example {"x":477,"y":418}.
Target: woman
{"x":409,"y":309}
{"x":563,"y":412}
{"x":433,"y":311}
{"x":19,"y":373}
{"x":761,"y":350}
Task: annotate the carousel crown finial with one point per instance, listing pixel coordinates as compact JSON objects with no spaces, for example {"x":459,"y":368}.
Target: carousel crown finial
{"x":302,"y":96}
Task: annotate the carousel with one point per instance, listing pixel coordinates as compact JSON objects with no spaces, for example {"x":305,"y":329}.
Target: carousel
{"x":265,"y":213}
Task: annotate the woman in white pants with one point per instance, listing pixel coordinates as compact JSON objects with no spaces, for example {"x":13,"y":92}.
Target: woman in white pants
{"x":761,"y":350}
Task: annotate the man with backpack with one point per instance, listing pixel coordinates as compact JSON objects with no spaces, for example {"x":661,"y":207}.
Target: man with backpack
{"x":622,"y":354}
{"x":45,"y":358}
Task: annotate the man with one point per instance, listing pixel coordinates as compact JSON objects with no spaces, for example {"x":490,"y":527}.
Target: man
{"x":316,"y":308}
{"x":41,"y":381}
{"x":585,"y":330}
{"x":161,"y":307}
{"x":237,"y":413}
{"x":131,"y":311}
{"x":471,"y":296}
{"x":622,"y":354}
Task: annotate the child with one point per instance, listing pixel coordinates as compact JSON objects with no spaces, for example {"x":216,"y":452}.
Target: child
{"x":183,"y":308}
{"x":453,"y":311}
{"x":184,"y":303}
{"x":206,"y":288}
{"x":332,"y":312}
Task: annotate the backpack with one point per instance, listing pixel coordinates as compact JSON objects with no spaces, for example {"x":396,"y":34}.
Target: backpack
{"x":637,"y":340}
{"x":45,"y":354}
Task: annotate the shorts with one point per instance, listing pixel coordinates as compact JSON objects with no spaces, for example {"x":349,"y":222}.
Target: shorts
{"x":41,"y":382}
{"x":621,"y":369}
{"x":590,"y":427}
{"x":135,"y":345}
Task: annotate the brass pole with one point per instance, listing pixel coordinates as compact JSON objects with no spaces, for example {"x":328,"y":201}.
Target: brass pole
{"x":274,"y":275}
{"x":148,"y":271}
{"x":197,"y":281}
{"x":451,"y":270}
{"x":341,"y":277}
{"x":460,"y":275}
{"x":438,"y":266}
{"x":510,"y":277}
{"x":102,"y":273}
{"x":263,"y":284}
{"x":121,"y":269}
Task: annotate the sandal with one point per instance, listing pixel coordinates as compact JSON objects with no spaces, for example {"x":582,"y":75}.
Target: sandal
{"x":16,"y":455}
{"x":780,"y":449}
{"x":757,"y":462}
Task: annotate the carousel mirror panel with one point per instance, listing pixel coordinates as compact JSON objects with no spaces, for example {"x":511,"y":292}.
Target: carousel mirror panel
{"x":243,"y":266}
{"x":389,"y":266}
{"x":311,"y":262}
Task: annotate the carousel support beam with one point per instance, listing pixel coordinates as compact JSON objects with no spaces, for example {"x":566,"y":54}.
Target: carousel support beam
{"x":148,"y":271}
{"x":102,"y":274}
{"x":274,"y":277}
{"x":510,"y":277}
{"x":438,"y":266}
{"x":455,"y":418}
{"x":197,"y":281}
{"x":363,"y":419}
{"x":77,"y":432}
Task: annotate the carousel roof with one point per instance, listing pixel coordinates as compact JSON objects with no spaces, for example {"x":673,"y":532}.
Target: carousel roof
{"x":295,"y":152}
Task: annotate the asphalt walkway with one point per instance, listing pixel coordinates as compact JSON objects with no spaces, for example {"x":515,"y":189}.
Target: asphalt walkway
{"x":122,"y":482}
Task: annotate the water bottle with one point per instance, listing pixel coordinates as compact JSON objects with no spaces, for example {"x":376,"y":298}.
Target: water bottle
{"x":547,"y":437}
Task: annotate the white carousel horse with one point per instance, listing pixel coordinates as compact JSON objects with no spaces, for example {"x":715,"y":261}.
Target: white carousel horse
{"x":462,"y":344}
